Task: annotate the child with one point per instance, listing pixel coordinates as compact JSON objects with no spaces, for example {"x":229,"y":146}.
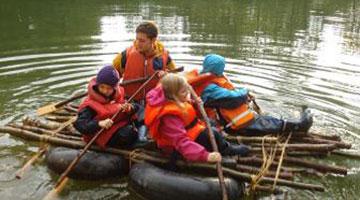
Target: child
{"x":229,"y":105}
{"x":174,"y":125}
{"x":105,"y":98}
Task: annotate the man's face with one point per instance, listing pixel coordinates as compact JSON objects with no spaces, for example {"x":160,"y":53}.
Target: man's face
{"x":144,"y":43}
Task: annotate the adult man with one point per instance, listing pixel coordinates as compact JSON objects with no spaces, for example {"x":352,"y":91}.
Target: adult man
{"x":142,"y":59}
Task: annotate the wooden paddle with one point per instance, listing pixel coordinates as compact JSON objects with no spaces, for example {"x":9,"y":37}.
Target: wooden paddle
{"x":256,"y":106}
{"x":55,"y":106}
{"x":60,"y":184}
{"x":212,"y":141}
{"x":42,"y":150}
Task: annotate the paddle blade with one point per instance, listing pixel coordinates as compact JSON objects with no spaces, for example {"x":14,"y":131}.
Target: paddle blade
{"x":46,"y":109}
{"x":54,"y":193}
{"x":20,"y":173}
{"x":51,"y":195}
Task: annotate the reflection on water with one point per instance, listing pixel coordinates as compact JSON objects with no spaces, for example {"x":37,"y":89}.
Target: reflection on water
{"x":289,"y":53}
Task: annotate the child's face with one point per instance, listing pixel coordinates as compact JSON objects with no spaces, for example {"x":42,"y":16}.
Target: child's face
{"x":105,"y":89}
{"x":184,"y":94}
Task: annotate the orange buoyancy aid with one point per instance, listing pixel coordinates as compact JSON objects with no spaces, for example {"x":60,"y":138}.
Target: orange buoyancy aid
{"x":239,"y":117}
{"x":137,"y":66}
{"x":105,"y":109}
{"x":153,"y":115}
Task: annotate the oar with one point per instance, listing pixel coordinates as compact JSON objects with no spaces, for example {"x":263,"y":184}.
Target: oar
{"x":53,"y":107}
{"x":256,"y":107}
{"x":60,"y":184}
{"x":42,"y":150}
{"x":213,"y":143}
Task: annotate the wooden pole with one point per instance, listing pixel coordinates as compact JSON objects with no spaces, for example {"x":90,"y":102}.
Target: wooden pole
{"x":41,"y":151}
{"x":212,"y":141}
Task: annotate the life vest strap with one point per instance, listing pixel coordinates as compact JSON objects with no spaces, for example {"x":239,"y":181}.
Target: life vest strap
{"x":237,"y":118}
{"x":192,"y":124}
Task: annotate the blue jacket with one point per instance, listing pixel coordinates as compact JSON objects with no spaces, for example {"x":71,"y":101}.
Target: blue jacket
{"x":216,"y":96}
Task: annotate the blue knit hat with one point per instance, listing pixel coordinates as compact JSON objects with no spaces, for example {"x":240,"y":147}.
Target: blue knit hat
{"x":108,"y":75}
{"x":214,"y":63}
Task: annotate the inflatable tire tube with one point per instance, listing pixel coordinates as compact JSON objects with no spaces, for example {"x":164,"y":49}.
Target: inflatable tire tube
{"x":92,"y":166}
{"x":154,"y":183}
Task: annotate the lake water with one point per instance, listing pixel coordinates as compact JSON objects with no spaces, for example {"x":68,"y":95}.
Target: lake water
{"x":288,"y":53}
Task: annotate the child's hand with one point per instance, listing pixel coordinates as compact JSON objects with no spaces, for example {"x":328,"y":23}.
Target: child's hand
{"x":106,"y":124}
{"x":126,"y":107}
{"x":161,"y":73}
{"x":198,"y":99}
{"x":194,"y":101}
{"x":250,"y":97}
{"x":214,"y":157}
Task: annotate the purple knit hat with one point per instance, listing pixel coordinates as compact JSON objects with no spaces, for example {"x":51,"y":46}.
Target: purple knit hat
{"x":108,"y":75}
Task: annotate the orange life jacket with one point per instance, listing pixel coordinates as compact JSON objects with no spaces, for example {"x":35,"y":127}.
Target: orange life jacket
{"x":239,"y":117}
{"x":137,"y":66}
{"x":105,"y":109}
{"x":153,"y":115}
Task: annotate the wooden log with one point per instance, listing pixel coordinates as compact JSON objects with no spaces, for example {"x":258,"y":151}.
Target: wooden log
{"x":264,"y":180}
{"x":74,"y":105}
{"x":44,"y":131}
{"x":57,"y":118}
{"x":249,"y":139}
{"x":326,"y":137}
{"x":63,"y":112}
{"x":314,"y":140}
{"x":40,"y":123}
{"x":347,"y":154}
{"x":255,"y":170}
{"x":268,"y":189}
{"x":71,"y":129}
{"x":308,"y":154}
{"x":317,"y":166}
{"x":298,"y":147}
{"x":70,"y":109}
{"x":255,"y":161}
{"x":227,"y":171}
{"x":295,"y":137}
{"x":298,"y":162}
{"x":305,"y":139}
{"x":70,"y":133}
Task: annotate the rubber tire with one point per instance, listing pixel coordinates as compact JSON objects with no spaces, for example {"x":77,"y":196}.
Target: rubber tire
{"x":155,"y":183}
{"x":92,"y":166}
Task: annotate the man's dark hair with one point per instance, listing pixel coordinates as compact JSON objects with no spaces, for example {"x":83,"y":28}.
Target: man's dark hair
{"x":149,"y":28}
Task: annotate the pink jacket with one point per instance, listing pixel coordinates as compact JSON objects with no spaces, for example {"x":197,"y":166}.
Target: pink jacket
{"x":173,"y":128}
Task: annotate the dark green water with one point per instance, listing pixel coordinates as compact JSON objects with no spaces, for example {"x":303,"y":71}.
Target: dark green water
{"x":289,"y":53}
